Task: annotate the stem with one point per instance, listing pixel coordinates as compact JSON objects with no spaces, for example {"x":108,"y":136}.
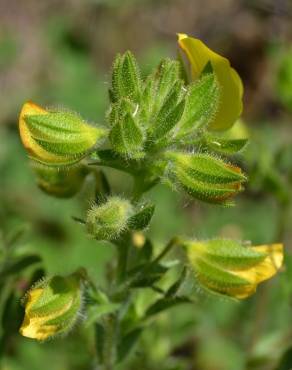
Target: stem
{"x":123,"y":251}
{"x":109,"y":353}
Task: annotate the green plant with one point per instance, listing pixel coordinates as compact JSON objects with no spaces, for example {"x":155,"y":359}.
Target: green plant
{"x":168,"y":127}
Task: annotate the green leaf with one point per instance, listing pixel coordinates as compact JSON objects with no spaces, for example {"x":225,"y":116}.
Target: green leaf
{"x":164,"y":304}
{"x":146,"y":275}
{"x":95,"y":312}
{"x":127,"y":343}
{"x":172,"y":291}
{"x":20,"y":264}
{"x":141,"y":219}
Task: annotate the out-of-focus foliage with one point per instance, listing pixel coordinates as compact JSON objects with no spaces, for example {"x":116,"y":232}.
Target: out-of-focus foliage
{"x":59,"y":52}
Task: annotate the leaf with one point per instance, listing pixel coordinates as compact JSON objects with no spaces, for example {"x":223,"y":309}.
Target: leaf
{"x":141,"y":219}
{"x":127,"y":343}
{"x":17,"y":266}
{"x":95,"y":312}
{"x":146,"y":275}
{"x":172,"y":291}
{"x":164,"y":304}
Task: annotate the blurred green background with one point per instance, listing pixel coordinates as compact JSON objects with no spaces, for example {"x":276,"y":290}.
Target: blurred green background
{"x":59,"y":53}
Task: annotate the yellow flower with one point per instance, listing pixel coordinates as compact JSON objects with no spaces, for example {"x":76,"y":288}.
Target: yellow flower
{"x":56,"y":137}
{"x":31,"y":146}
{"x":52,"y":307}
{"x":227,"y":267}
{"x":230,"y":106}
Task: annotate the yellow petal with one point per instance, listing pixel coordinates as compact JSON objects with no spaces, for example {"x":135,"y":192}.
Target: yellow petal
{"x":31,"y":146}
{"x":230,"y":106}
{"x":266,"y":268}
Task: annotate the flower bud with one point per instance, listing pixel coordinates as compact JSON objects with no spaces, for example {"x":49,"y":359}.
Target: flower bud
{"x":125,"y":78}
{"x":108,"y":220}
{"x":231,"y":88}
{"x":205,"y":177}
{"x":52,"y":307}
{"x":62,"y":182}
{"x":56,"y":137}
{"x":229,"y":268}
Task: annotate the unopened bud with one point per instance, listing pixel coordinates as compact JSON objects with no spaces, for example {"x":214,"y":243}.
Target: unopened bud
{"x":229,"y":268}
{"x":52,"y":307}
{"x":62,"y":182}
{"x":108,"y":220}
{"x":205,"y":177}
{"x":125,"y":78}
{"x":56,"y":137}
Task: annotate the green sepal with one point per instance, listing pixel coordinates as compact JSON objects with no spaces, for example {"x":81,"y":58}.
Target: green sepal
{"x":126,"y":78}
{"x":225,"y":146}
{"x":202,"y":101}
{"x":216,"y":277}
{"x":210,"y":193}
{"x":127,"y":138}
{"x":167,"y":75}
{"x":169,"y":114}
{"x":205,"y":168}
{"x":157,"y":89}
{"x":64,"y":133}
{"x":142,"y":218}
{"x":230,"y":254}
{"x":109,"y":219}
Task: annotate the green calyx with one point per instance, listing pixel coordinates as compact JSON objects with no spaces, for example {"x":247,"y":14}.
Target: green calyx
{"x":52,"y":307}
{"x":62,"y":182}
{"x":64,"y":134}
{"x":151,"y":114}
{"x":115,"y":216}
{"x":205,"y":177}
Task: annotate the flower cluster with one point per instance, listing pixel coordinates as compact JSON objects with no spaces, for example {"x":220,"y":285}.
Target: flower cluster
{"x":174,"y":127}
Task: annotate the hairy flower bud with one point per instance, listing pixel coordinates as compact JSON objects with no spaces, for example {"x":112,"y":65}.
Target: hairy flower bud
{"x":108,"y":220}
{"x":205,"y":177}
{"x":52,"y":307}
{"x":229,"y":268}
{"x":62,"y":182}
{"x":56,"y":137}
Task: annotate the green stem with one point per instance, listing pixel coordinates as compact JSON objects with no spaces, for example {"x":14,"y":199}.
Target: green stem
{"x":109,"y":353}
{"x":123,"y":251}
